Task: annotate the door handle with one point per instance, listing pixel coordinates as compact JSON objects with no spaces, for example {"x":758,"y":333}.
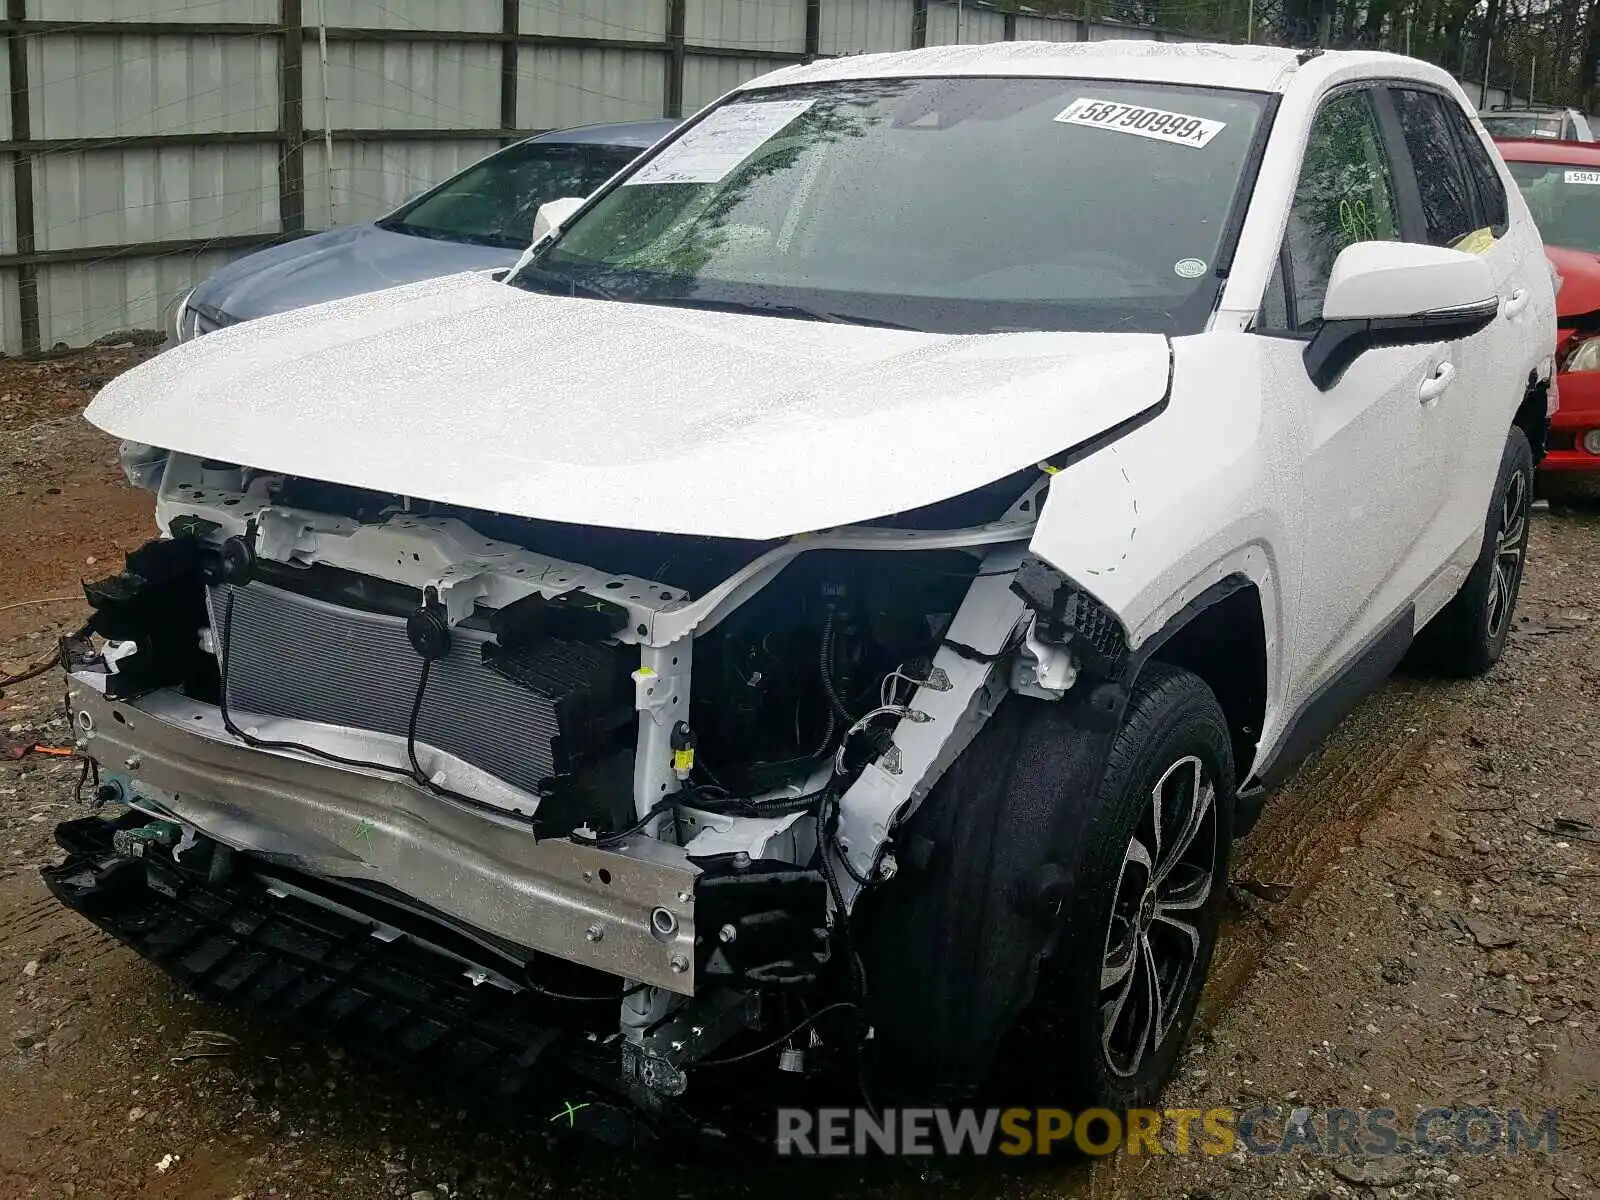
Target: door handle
{"x":1515,"y":303}
{"x":1434,"y":385}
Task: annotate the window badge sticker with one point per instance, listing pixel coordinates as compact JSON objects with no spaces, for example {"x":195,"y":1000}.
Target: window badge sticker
{"x":1181,"y":129}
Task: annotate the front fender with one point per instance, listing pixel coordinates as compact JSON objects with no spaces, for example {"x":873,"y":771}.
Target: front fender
{"x":1148,"y":522}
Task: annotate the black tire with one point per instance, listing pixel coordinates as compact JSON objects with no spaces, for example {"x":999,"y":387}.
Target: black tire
{"x":1468,"y":635}
{"x":998,"y":941}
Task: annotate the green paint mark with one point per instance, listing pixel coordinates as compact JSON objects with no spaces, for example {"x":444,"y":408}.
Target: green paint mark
{"x":364,"y":832}
{"x":570,"y":1113}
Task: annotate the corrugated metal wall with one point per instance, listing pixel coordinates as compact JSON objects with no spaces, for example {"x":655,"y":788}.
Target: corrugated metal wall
{"x":164,"y":137}
{"x":864,"y":26}
{"x":950,"y":25}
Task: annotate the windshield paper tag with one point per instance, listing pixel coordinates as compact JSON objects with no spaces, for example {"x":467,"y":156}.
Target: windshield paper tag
{"x":1179,"y":128}
{"x":718,"y":144}
{"x":1583,"y":176}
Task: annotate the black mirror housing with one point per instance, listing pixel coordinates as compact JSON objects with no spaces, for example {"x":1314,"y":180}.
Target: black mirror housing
{"x":1338,"y":343}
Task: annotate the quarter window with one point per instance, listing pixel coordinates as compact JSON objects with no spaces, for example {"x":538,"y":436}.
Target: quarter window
{"x":1346,"y":194}
{"x":1442,"y":186}
{"x":1274,"y":314}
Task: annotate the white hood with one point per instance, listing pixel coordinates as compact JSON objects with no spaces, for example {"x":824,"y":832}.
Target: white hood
{"x":469,"y":392}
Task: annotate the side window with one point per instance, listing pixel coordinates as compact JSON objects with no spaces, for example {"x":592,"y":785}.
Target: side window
{"x":1442,"y":186}
{"x":1493,"y":210}
{"x":1345,"y":195}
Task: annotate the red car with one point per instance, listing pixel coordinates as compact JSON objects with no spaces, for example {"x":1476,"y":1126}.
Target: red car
{"x":1561,"y":183}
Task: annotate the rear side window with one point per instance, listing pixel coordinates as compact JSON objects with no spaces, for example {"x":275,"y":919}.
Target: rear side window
{"x":1446,"y":195}
{"x":1485,"y":179}
{"x":1486,"y":184}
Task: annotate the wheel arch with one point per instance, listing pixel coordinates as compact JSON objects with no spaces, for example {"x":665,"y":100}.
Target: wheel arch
{"x":1533,"y":416}
{"x":1221,"y":636}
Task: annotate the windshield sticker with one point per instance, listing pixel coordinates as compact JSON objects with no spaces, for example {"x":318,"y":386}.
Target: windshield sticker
{"x":1178,"y":128}
{"x":1591,"y":177}
{"x":713,"y":148}
{"x":1189,"y":268}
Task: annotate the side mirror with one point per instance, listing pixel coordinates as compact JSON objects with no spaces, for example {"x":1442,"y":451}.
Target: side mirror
{"x":553,"y":214}
{"x":1397,"y":294}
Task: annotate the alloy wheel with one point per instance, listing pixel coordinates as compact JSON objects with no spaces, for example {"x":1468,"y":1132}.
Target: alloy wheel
{"x":1153,"y":942}
{"x":1506,"y":570}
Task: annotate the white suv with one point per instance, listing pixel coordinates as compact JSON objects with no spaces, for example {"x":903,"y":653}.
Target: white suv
{"x":859,"y":573}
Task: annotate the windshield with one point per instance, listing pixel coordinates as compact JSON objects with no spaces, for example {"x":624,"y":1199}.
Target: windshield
{"x":1522,"y":125}
{"x":1564,"y":201}
{"x":950,"y":205}
{"x":493,"y":202}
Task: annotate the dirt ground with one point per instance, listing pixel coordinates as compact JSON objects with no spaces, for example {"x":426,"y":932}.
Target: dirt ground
{"x":1415,"y":925}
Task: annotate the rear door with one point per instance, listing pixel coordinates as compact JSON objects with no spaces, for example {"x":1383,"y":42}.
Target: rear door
{"x":1463,"y":205}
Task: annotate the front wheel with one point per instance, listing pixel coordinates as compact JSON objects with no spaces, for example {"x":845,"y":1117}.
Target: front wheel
{"x":1057,"y":942}
{"x":1469,"y":634}
{"x":1120,"y":984}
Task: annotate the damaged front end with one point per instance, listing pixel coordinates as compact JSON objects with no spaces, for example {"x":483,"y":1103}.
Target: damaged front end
{"x":527,"y":797}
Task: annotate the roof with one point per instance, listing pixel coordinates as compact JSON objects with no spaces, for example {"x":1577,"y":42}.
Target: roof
{"x":1250,"y":68}
{"x":1547,"y":150}
{"x":1525,"y":110}
{"x":622,"y":133}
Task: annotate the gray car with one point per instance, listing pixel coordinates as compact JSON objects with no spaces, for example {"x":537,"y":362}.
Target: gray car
{"x":477,"y":220}
{"x":1557,"y":124}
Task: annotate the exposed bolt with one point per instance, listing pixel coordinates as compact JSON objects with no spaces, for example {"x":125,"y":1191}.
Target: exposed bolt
{"x":594,"y":933}
{"x":677,"y":1047}
{"x":741,"y":860}
{"x":888,"y":867}
{"x":727,"y":934}
{"x":679,"y":964}
{"x":697,"y":1030}
{"x":133,"y":762}
{"x":685,"y":898}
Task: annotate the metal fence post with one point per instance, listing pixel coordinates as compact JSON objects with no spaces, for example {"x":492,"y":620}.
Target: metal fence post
{"x":22,"y":177}
{"x":292,"y":119}
{"x":677,"y":21}
{"x":510,"y":25}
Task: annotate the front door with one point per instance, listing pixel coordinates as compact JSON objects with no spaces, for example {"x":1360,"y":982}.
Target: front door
{"x":1375,"y":453}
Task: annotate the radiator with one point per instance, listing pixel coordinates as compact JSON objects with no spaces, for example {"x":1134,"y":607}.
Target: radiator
{"x":303,"y":658}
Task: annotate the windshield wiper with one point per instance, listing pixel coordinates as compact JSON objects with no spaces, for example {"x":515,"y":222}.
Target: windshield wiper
{"x":814,"y":314}
{"x":499,"y":241}
{"x":557,"y":284}
{"x":797,"y":311}
{"x":422,"y":231}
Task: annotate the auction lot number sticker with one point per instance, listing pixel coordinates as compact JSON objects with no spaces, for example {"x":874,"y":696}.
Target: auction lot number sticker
{"x":1178,"y":128}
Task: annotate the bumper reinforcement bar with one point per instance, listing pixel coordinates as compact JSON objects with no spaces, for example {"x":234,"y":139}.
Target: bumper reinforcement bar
{"x":597,"y":908}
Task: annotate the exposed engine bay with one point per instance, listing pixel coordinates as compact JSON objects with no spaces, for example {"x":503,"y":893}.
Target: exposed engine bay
{"x":561,"y":754}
